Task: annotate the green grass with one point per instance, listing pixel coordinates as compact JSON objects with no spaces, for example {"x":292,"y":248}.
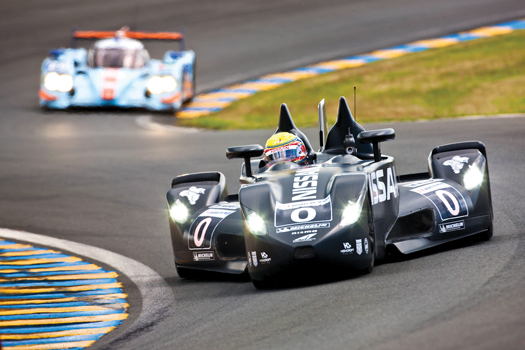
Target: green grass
{"x":484,"y":76}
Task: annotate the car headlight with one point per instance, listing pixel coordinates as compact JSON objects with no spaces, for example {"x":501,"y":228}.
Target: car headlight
{"x":178,"y":212}
{"x":256,"y":224}
{"x":352,"y":211}
{"x":58,"y":82}
{"x":473,"y":178}
{"x":159,"y":84}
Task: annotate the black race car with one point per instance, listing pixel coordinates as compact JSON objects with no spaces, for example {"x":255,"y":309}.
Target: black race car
{"x":339,"y":213}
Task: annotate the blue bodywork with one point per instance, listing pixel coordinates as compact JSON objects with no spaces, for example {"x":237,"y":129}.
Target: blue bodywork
{"x":128,"y":85}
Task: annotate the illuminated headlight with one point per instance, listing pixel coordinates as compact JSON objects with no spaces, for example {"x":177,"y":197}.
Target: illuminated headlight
{"x":473,"y":178}
{"x":179,"y":212}
{"x":159,"y":84}
{"x":351,"y":213}
{"x":58,"y":82}
{"x":256,"y":224}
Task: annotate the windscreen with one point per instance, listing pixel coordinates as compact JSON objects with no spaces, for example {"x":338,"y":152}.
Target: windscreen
{"x":118,"y":58}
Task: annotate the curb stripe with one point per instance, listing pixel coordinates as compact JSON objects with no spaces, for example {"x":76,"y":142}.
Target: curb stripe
{"x":58,"y":289}
{"x":69,"y":327}
{"x":51,"y":300}
{"x":208,"y":103}
{"x":58,"y":333}
{"x":46,"y":321}
{"x":64,"y":295}
{"x":77,"y":345}
{"x":64,"y":304}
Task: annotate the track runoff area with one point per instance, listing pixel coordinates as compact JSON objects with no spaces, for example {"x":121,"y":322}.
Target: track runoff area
{"x":52,"y":300}
{"x":214,"y":101}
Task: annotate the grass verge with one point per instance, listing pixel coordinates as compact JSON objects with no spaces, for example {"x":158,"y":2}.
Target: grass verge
{"x":484,"y":76}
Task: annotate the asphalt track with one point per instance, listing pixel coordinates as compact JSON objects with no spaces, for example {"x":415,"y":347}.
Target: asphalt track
{"x":98,"y":178}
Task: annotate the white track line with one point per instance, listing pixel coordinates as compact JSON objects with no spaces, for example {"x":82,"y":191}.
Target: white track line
{"x":147,"y":122}
{"x":157,"y":297}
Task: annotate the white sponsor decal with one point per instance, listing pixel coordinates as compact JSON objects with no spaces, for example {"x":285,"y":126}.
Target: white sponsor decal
{"x":305,"y":184}
{"x":254,"y":259}
{"x":365,"y":242}
{"x":303,"y":227}
{"x":202,"y":256}
{"x":347,"y":249}
{"x":358,"y":246}
{"x":193,"y":194}
{"x":456,"y":163}
{"x":249,"y":259}
{"x":227,"y":206}
{"x":265,"y":259}
{"x":303,"y":232}
{"x":449,"y":202}
{"x":380,"y":190}
{"x":430,"y":187}
{"x":421,"y":183}
{"x":453,"y":226}
{"x":216,"y":213}
{"x":303,"y":212}
{"x":307,"y":238}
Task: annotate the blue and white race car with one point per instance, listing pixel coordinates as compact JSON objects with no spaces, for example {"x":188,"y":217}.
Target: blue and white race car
{"x":116,"y":71}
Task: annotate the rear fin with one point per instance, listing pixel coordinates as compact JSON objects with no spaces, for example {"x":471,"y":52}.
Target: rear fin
{"x":286,"y":124}
{"x":345,"y":123}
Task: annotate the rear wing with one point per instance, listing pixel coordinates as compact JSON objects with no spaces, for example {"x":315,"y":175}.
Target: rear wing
{"x":125,"y":33}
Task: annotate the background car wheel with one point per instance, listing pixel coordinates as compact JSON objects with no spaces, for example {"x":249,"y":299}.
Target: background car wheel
{"x":193,"y":83}
{"x":486,"y":235}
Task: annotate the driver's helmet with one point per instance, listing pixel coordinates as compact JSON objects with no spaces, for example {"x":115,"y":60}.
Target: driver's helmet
{"x":285,"y":146}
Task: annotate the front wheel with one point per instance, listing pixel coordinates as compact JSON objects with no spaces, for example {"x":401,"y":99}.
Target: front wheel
{"x":264,"y":284}
{"x":185,"y":273}
{"x":368,"y":270}
{"x":486,"y":235}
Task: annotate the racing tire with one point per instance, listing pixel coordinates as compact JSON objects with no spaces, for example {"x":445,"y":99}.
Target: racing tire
{"x":186,"y":273}
{"x":368,"y":270}
{"x":264,"y":284}
{"x":188,"y":100}
{"x":486,"y":235}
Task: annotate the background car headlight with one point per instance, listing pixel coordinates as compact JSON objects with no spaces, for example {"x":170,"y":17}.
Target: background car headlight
{"x":473,"y":178}
{"x":58,"y":82}
{"x":256,"y":224}
{"x":159,"y":84}
{"x":178,"y":212}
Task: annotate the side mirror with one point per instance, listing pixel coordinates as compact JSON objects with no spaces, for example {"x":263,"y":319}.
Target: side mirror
{"x":245,"y":152}
{"x":375,"y":137}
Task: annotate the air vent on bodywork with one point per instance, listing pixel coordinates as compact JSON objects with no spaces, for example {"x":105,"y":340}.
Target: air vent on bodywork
{"x":304,"y":252}
{"x":419,"y":223}
{"x":231,"y":246}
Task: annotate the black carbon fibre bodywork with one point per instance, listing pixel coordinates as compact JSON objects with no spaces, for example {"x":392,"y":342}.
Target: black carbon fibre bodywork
{"x":339,"y":213}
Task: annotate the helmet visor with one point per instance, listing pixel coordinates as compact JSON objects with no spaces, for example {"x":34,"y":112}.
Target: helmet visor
{"x":291,"y":152}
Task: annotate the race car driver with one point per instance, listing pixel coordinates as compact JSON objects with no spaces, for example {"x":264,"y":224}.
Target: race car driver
{"x":285,"y":146}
